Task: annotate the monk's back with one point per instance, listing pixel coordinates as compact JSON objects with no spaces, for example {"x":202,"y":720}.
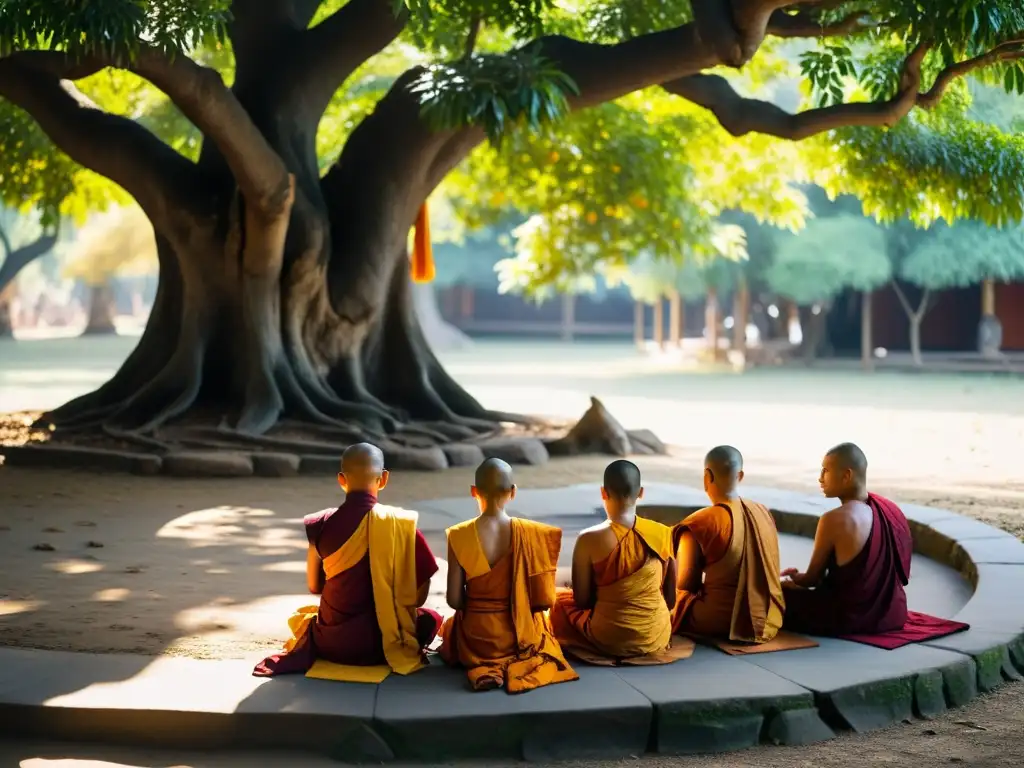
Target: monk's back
{"x":601,"y":540}
{"x":853,"y":522}
{"x":495,"y":536}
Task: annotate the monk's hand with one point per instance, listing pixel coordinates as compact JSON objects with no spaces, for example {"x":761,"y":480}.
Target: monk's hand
{"x":793,"y":578}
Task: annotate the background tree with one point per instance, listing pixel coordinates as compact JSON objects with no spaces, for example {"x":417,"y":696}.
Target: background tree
{"x":21,"y":243}
{"x":118,"y":243}
{"x":813,"y":267}
{"x":284,"y":280}
{"x":957,"y":257}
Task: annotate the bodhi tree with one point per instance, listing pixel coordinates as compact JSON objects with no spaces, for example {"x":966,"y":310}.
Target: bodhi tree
{"x":284,"y":286}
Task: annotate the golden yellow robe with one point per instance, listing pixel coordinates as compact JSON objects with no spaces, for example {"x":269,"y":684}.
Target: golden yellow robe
{"x":630,"y":622}
{"x":497,"y":636}
{"x":389,"y":534}
{"x":741,"y":599}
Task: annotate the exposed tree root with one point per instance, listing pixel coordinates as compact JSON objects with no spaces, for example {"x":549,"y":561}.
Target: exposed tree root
{"x":598,"y":431}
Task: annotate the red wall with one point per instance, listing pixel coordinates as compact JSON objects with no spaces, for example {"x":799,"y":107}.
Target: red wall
{"x":1010,"y":311}
{"x":950,"y":325}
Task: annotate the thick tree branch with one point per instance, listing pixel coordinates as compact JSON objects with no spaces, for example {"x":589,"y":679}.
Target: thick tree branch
{"x":1008,"y":51}
{"x":739,"y":115}
{"x":115,"y":147}
{"x":200,"y":93}
{"x":332,"y":50}
{"x":19,"y":258}
{"x":804,"y":24}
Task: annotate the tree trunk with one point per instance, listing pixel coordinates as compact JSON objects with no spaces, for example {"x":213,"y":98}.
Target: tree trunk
{"x":6,"y":318}
{"x":915,"y":339}
{"x":568,"y":316}
{"x":676,"y":319}
{"x":711,"y":321}
{"x":639,"y":332}
{"x":102,"y":306}
{"x":740,"y":316}
{"x":867,"y":351}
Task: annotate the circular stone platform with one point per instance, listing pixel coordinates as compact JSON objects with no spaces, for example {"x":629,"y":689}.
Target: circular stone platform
{"x":711,"y":702}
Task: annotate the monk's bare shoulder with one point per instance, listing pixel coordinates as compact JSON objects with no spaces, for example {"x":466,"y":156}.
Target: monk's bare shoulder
{"x":594,"y":531}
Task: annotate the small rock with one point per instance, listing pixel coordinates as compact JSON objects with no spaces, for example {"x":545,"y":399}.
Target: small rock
{"x":85,"y":524}
{"x":928,"y":732}
{"x":53,"y":529}
{"x":431,"y":459}
{"x":208,"y":464}
{"x":275,"y":464}
{"x":133,"y":569}
{"x":44,"y":547}
{"x":5,"y":527}
{"x":94,"y":544}
{"x":463,"y":454}
{"x":516,"y":450}
{"x":646,"y":442}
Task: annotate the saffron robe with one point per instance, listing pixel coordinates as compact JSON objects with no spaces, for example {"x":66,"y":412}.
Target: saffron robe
{"x":497,"y":635}
{"x":630,"y":621}
{"x":374,"y":561}
{"x":741,"y":599}
{"x":866,"y":595}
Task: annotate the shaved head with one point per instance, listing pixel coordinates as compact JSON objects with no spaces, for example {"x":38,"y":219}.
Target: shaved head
{"x":851,"y":457}
{"x":725,"y":464}
{"x":622,"y":480}
{"x":493,"y":478}
{"x":362,"y":467}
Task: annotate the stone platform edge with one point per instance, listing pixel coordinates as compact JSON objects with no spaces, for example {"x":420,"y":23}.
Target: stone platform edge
{"x":710,"y":703}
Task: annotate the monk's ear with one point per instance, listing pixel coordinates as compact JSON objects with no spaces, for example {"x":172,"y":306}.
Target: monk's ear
{"x":342,"y":482}
{"x":739,"y":476}
{"x":474,"y":492}
{"x":512,"y":494}
{"x":384,"y":475}
{"x":640,"y":494}
{"x":604,"y":493}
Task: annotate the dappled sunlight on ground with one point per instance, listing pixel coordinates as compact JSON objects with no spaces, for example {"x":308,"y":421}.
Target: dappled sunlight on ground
{"x":213,"y":568}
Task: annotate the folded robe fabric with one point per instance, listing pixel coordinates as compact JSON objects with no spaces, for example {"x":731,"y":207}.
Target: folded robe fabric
{"x":919,"y":628}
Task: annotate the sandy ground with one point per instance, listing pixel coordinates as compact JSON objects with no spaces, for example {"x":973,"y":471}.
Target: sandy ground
{"x":210,"y":569}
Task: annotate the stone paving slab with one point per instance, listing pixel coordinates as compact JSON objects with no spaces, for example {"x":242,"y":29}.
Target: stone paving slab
{"x":711,"y":702}
{"x":433,"y":716}
{"x":716,"y":703}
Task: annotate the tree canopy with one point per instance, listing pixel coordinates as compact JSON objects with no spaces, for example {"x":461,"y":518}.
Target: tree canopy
{"x":828,"y":257}
{"x":964,"y":255}
{"x":282,"y":149}
{"x":118,"y":242}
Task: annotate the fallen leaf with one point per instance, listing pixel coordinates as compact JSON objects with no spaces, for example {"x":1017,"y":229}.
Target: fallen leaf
{"x":44,"y":547}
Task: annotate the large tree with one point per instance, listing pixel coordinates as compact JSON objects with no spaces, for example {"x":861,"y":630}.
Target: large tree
{"x":284,"y":284}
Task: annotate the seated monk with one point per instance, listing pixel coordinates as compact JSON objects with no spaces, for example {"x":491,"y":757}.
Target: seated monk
{"x":623,"y":581}
{"x":372,"y":569}
{"x":501,"y":580}
{"x":861,"y":559}
{"x":734,"y":545}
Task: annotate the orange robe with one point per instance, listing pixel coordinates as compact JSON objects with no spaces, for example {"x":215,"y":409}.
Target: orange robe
{"x":497,"y":636}
{"x":741,"y":599}
{"x":630,"y":622}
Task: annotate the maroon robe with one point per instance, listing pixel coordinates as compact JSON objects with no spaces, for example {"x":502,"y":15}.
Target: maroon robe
{"x":346,"y":629}
{"x":867,"y":595}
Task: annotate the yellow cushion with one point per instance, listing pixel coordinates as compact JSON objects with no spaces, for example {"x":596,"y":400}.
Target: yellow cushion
{"x":348,"y":673}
